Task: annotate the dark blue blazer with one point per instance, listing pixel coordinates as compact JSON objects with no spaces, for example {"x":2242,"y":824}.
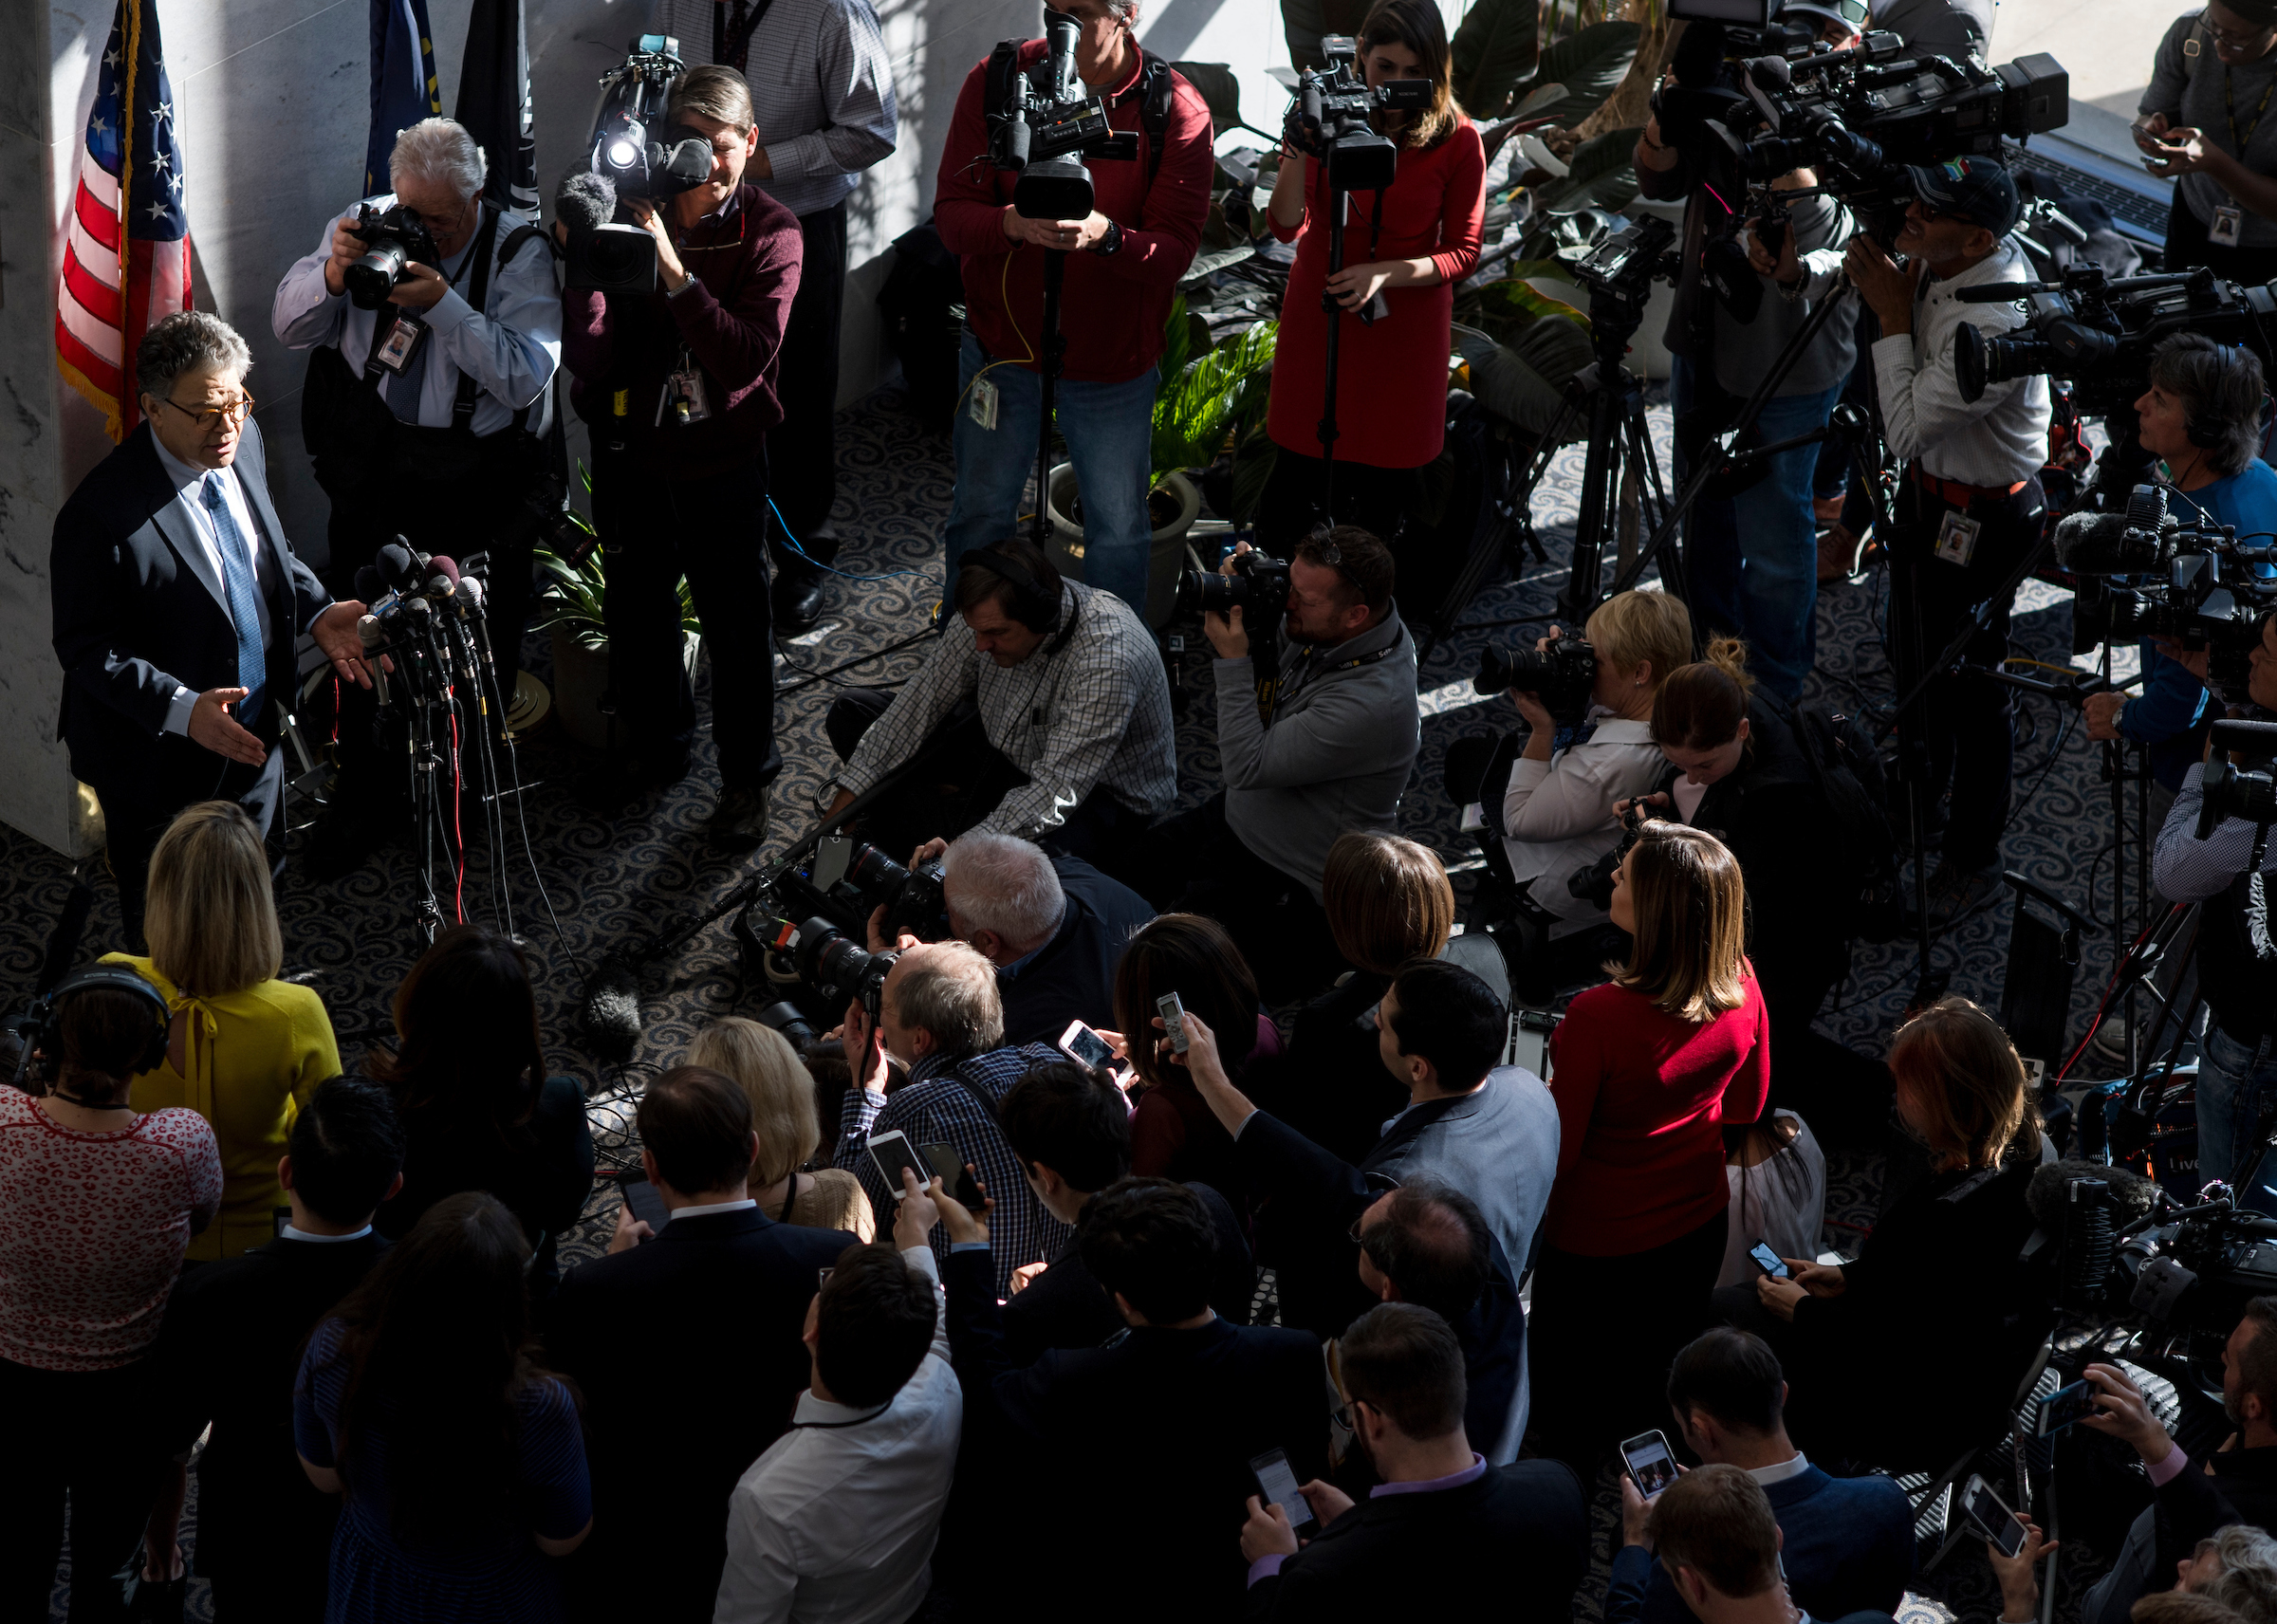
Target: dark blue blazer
{"x":1849,"y":1548}
{"x":687,"y":1351}
{"x":139,"y":607}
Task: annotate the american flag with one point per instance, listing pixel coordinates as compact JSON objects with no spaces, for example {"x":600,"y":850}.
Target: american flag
{"x":126,"y":262}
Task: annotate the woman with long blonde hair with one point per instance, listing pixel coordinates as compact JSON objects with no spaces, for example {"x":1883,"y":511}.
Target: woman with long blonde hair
{"x":763,"y":1064}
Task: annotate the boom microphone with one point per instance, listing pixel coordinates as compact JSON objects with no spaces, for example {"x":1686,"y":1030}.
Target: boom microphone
{"x":2048,"y":1194}
{"x":584,"y":200}
{"x":2095,"y":543}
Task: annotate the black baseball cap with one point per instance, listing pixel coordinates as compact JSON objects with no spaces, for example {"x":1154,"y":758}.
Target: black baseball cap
{"x":1980,"y":190}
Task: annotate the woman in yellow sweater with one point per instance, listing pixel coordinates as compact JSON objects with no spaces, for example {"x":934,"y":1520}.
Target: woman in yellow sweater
{"x":247,"y":1049}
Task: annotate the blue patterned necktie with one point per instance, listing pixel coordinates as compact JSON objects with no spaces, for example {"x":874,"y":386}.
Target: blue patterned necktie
{"x":245,"y":599}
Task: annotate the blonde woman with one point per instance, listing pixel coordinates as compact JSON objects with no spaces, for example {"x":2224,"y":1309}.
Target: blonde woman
{"x":1557,"y":810}
{"x":1935,"y":1299}
{"x":247,"y":1050}
{"x":781,"y":1094}
{"x":1646,"y":1072}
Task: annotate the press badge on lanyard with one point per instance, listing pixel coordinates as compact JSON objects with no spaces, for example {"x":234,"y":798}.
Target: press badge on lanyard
{"x":402,"y":344}
{"x":984,"y":403}
{"x":2229,"y":221}
{"x":1957,"y":538}
{"x":684,"y":393}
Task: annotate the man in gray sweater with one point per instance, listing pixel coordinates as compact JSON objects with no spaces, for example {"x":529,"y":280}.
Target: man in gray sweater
{"x":1317,"y":747}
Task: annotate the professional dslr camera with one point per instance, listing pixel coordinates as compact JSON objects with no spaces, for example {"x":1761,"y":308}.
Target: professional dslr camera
{"x":1044,"y":121}
{"x":633,"y":147}
{"x":1258,"y":587}
{"x":1594,"y":884}
{"x":1563,"y":676}
{"x":835,"y":893}
{"x":2147,"y":572}
{"x":393,"y":240}
{"x":2100,"y":331}
{"x":863,"y":878}
{"x":835,"y":967}
{"x":1329,"y":118}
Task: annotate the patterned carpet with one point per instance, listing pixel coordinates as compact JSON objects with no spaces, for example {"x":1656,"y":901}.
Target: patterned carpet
{"x":611,"y":878}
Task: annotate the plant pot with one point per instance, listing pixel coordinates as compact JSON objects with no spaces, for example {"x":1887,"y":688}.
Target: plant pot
{"x":1174,"y":505}
{"x":580,"y":677}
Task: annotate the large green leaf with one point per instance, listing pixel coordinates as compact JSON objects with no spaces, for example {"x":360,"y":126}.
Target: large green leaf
{"x":1603,"y":172}
{"x":1590,"y":66}
{"x":1496,"y":50}
{"x":1195,"y":409}
{"x":1523,"y":382}
{"x":1507,"y":308}
{"x":1219,"y":87}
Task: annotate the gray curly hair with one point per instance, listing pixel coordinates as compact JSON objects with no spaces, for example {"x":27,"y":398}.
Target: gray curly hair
{"x":439,"y":149}
{"x":185,"y":342}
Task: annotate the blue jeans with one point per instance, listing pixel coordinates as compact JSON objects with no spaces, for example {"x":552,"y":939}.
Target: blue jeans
{"x":1766,"y":588}
{"x":1109,"y":429}
{"x":2234,"y":1081}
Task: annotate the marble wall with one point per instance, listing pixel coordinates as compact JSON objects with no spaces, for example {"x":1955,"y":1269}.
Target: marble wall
{"x":272,"y":103}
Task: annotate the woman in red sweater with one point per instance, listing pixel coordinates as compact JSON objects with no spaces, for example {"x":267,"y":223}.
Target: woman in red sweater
{"x":1405,"y":247}
{"x":1646,"y":1071}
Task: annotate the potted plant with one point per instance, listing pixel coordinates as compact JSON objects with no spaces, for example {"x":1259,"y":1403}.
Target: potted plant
{"x":1201,"y":402}
{"x":571,"y":598}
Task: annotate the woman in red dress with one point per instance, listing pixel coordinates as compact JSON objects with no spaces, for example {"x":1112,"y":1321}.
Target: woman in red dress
{"x":1410,"y":243}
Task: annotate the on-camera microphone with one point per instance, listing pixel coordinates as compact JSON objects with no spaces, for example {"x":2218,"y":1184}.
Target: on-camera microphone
{"x":1061,"y":32}
{"x":2095,"y":543}
{"x":584,"y":200}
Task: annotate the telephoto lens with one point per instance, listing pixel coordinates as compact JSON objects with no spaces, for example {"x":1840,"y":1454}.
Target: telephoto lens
{"x":1562,"y":677}
{"x":837,"y":967}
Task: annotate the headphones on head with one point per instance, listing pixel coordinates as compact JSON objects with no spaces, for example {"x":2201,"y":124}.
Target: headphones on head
{"x":2200,"y":435}
{"x":1033,"y":606}
{"x":40,"y":1029}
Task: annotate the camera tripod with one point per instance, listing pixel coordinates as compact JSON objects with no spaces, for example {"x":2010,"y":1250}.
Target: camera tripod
{"x":1050,"y":347}
{"x":1327,"y":432}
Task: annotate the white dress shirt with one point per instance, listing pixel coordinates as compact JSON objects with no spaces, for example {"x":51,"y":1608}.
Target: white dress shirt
{"x":510,"y":347}
{"x":1765,"y":1476}
{"x":1557,"y":816}
{"x":189,"y":486}
{"x":836,"y":1522}
{"x":289,"y":1233}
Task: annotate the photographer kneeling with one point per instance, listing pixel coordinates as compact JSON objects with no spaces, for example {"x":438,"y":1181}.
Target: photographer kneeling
{"x":1320,"y":745}
{"x":2237,"y":1058}
{"x":1044,"y":711}
{"x":1557,"y":821}
{"x":1970,"y":510}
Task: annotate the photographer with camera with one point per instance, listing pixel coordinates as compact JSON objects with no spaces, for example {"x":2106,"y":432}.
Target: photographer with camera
{"x":1423,"y":233}
{"x":1320,"y":744}
{"x":1557,"y":819}
{"x":678,"y":387}
{"x":2237,"y":1057}
{"x":939,"y":1018}
{"x":824,"y":114}
{"x":1053,"y":926}
{"x":1970,"y":510}
{"x":1122,"y":262}
{"x":2202,"y":122}
{"x":2202,"y":416}
{"x":1751,"y":558}
{"x":1044,"y":711}
{"x":425,"y":400}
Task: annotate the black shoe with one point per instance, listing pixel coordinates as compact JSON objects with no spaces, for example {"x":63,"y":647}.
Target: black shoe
{"x":798,"y":595}
{"x":739,"y":822}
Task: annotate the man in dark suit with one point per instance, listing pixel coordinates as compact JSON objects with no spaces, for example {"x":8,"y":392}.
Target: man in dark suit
{"x":1442,"y":1518}
{"x":688,"y":1348}
{"x":231,"y":1346}
{"x":1846,"y":1543}
{"x":178,"y":605}
{"x":1157,"y":1430}
{"x":1071,"y":1132}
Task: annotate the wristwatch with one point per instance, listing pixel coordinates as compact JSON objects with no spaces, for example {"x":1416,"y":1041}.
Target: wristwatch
{"x":1110,"y":241}
{"x":687,"y":281}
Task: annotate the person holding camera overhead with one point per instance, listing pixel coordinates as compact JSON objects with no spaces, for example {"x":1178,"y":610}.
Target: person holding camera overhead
{"x":2204,"y":120}
{"x":678,"y":387}
{"x":1122,"y":263}
{"x":1405,"y":247}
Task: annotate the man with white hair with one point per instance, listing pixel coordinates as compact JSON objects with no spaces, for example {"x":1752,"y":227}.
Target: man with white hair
{"x":178,"y":604}
{"x":1053,"y":926}
{"x":424,"y":418}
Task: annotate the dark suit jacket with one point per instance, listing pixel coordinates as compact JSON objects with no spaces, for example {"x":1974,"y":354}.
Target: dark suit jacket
{"x":1153,"y":1434}
{"x":139,"y":607}
{"x":1848,"y":1548}
{"x":1518,"y":1534}
{"x":227,"y":1353}
{"x":1072,"y":976}
{"x":687,"y":1349}
{"x":1066,"y":1307}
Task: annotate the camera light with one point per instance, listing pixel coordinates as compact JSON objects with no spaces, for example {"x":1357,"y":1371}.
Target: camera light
{"x":622,"y":153}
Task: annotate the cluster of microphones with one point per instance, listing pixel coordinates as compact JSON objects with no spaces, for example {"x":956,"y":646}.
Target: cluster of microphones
{"x":424,"y":614}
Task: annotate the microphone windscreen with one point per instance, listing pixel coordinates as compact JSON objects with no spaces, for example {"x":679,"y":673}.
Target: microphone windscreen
{"x":368,"y":585}
{"x":371,"y":631}
{"x":395,"y":564}
{"x":444,"y":568}
{"x":2049,"y":1196}
{"x":584,"y":200}
{"x":2088,"y":543}
{"x":469,"y":592}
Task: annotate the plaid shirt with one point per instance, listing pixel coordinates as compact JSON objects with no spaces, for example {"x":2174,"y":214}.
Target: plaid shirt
{"x":933,"y":1107}
{"x":1089,"y":709}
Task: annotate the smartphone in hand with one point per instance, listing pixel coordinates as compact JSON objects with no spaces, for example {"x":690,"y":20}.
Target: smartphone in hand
{"x":948,"y":1162}
{"x":1651,"y":1466}
{"x":1767,"y":1259}
{"x":1989,"y":1516}
{"x":1174,"y":1021}
{"x":893,"y":1151}
{"x":1277,"y":1485}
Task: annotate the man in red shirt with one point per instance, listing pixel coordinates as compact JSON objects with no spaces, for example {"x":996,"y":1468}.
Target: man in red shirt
{"x":1123,"y":261}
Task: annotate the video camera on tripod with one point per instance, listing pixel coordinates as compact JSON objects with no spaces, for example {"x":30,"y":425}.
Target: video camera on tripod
{"x":634,"y":153}
{"x":1331,"y":118}
{"x":2148,"y":572}
{"x":1044,"y":121}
